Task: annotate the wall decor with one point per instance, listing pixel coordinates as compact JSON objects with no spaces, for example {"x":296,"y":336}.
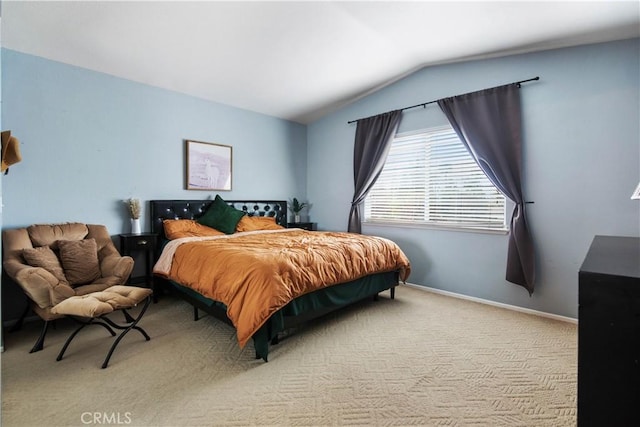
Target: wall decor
{"x":208,"y":166}
{"x":636,"y":193}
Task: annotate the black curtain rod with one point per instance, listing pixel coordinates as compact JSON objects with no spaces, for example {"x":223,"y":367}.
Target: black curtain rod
{"x":424,"y":104}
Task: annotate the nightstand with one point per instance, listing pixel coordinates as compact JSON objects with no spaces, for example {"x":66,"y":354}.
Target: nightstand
{"x":131,"y":244}
{"x":311,"y":226}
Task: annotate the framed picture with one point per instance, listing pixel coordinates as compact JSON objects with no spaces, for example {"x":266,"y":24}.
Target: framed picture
{"x":208,"y":166}
{"x":636,"y":193}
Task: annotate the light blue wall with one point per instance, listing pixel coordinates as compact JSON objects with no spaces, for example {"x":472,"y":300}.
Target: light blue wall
{"x":581,"y":164}
{"x":90,"y":140}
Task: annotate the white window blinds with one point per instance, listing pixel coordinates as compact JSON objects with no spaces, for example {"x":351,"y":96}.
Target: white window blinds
{"x":430,"y":178}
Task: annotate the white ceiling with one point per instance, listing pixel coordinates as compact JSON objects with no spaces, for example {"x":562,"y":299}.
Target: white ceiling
{"x":297,"y":60}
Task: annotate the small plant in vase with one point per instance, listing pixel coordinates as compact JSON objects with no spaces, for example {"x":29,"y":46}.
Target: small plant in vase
{"x":296,"y":207}
{"x":133,"y":206}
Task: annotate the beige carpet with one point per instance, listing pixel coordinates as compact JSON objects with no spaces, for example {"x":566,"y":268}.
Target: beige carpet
{"x":421,"y":359}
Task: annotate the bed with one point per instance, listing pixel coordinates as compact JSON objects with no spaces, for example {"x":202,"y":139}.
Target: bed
{"x":284,"y":253}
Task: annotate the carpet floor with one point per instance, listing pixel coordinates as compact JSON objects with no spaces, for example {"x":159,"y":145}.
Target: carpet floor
{"x":421,"y":359}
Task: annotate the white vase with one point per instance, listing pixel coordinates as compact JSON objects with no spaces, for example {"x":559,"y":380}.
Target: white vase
{"x":296,"y":218}
{"x":135,"y":225}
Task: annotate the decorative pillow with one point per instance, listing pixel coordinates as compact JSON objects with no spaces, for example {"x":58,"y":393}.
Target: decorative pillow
{"x":79,"y":260}
{"x":221,"y":216}
{"x":253,"y":223}
{"x":177,"y":228}
{"x":44,"y":257}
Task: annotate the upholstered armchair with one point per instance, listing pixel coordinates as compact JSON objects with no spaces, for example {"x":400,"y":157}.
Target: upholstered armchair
{"x":53,"y":262}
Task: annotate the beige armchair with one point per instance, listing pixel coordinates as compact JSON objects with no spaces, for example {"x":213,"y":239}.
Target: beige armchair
{"x":53,"y":262}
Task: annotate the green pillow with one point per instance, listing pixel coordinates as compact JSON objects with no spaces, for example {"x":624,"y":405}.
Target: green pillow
{"x":221,"y":216}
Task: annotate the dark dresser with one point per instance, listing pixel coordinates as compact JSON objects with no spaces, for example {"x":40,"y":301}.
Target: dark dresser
{"x":609,"y":333}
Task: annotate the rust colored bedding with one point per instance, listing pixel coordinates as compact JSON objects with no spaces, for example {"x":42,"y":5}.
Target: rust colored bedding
{"x":256,"y":273}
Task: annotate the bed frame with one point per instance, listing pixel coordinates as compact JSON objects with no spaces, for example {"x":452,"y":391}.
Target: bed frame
{"x":302,"y":309}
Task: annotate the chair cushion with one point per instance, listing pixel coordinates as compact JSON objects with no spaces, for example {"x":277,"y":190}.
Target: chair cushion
{"x":51,"y":234}
{"x":45,"y":258}
{"x":99,"y":303}
{"x":79,"y":260}
{"x":221,"y":216}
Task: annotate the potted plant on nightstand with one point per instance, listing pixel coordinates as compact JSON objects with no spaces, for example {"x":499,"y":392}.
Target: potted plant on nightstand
{"x":296,"y":207}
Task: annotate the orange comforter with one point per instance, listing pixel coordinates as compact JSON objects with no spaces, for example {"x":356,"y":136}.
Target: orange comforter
{"x":256,"y":273}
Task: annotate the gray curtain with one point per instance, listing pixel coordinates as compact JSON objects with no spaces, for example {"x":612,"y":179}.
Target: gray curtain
{"x":372,"y":144}
{"x":489,"y":123}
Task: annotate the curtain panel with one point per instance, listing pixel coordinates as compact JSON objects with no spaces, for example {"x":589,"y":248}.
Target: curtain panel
{"x":488,"y":123}
{"x":370,"y":150}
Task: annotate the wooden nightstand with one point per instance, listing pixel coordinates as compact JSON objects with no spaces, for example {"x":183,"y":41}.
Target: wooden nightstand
{"x":311,"y":226}
{"x":130,"y":245}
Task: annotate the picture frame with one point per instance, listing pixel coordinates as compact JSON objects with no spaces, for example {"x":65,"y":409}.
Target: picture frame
{"x":208,"y":166}
{"x":636,"y":193}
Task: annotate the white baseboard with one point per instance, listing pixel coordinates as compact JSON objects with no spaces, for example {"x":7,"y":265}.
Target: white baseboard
{"x":495,"y":304}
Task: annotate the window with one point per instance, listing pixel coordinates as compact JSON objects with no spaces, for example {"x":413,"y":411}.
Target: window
{"x":430,"y":178}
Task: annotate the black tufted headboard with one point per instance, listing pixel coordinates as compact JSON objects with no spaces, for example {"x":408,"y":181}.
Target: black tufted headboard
{"x":193,"y":209}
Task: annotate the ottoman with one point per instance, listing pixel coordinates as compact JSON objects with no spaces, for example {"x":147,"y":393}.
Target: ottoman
{"x":92,"y":309}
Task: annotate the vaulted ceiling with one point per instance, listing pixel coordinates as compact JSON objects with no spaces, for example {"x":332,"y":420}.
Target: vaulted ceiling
{"x":297,"y":60}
